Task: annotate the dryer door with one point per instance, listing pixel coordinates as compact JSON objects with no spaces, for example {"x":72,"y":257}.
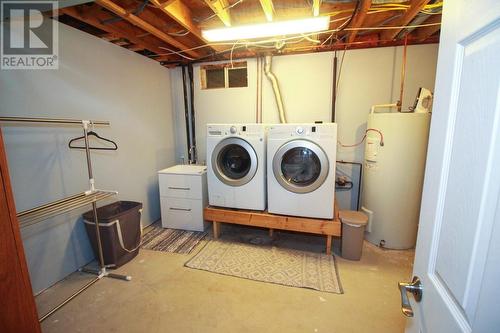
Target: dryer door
{"x":234,"y":161}
{"x":300,"y":166}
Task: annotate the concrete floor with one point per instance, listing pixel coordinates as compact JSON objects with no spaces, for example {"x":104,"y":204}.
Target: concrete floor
{"x":164,"y":296}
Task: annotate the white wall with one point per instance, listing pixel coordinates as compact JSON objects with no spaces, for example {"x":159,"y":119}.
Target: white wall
{"x":369,"y":76}
{"x":96,"y":80}
{"x":372,"y":76}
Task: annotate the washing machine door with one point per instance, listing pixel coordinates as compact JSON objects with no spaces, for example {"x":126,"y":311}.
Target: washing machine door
{"x":300,"y":166}
{"x":234,"y":161}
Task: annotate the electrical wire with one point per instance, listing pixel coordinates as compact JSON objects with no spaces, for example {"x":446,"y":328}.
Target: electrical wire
{"x":395,"y":27}
{"x":214,"y":15}
{"x":340,"y":68}
{"x":290,"y":38}
{"x":180,"y":33}
{"x":231,"y":55}
{"x":335,"y":32}
{"x":354,"y":12}
{"x":175,"y":52}
{"x":315,"y":41}
{"x":363,"y":139}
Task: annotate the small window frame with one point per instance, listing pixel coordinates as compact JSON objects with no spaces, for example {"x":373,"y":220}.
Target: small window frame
{"x":227,"y":67}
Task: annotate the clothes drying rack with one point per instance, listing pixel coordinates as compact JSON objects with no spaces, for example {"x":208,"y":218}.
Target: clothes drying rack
{"x":91,"y":196}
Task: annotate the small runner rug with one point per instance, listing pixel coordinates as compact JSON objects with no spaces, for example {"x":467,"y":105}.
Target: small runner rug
{"x":171,"y":240}
{"x":269,"y":264}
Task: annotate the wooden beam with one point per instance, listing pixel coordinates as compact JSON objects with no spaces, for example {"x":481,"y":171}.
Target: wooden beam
{"x":135,"y":20}
{"x":135,"y":47}
{"x":423,"y":33}
{"x":220,"y":8}
{"x":415,"y":7}
{"x":113,"y":30}
{"x":120,"y":42}
{"x":109,"y":37}
{"x":316,"y":5}
{"x":268,"y":8}
{"x":278,"y":222}
{"x":180,"y":13}
{"x":358,"y":19}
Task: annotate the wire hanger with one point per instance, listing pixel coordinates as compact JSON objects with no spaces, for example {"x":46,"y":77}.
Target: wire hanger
{"x":94,"y":134}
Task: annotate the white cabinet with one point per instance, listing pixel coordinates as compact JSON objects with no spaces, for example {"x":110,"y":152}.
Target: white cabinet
{"x":183,"y":195}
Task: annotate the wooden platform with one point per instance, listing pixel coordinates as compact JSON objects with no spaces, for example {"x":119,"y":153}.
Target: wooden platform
{"x":329,"y":228}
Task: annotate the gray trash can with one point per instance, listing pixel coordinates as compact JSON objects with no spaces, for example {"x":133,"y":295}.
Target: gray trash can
{"x":353,"y":233}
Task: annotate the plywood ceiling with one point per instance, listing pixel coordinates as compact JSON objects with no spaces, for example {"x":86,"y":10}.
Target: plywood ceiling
{"x":169,"y":31}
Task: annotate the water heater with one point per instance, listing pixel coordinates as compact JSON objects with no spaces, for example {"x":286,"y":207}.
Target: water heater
{"x":393,"y":177}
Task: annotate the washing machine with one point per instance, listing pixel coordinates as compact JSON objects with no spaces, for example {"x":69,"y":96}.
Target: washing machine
{"x":301,"y":169}
{"x":236,"y":160}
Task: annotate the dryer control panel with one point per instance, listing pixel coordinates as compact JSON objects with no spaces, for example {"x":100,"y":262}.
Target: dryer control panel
{"x":311,"y":130}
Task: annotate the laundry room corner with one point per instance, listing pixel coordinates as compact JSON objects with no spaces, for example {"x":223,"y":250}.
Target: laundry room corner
{"x":249,"y":166}
{"x":44,"y":169}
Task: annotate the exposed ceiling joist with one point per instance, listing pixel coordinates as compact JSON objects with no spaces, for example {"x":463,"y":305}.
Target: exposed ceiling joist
{"x":359,"y":18}
{"x":316,"y":6}
{"x":137,"y":21}
{"x":268,"y":8}
{"x":159,"y":28}
{"x":220,"y":8}
{"x":423,"y":33}
{"x":113,"y":30}
{"x":135,"y":47}
{"x":180,"y":13}
{"x":415,"y":7}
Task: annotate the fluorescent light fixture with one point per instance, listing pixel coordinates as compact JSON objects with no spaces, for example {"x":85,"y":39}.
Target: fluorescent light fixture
{"x":268,"y":29}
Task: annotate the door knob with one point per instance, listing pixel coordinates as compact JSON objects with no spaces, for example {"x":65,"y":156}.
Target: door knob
{"x":415,"y":287}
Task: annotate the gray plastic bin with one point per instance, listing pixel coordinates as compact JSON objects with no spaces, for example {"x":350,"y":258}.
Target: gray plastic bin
{"x":353,"y":233}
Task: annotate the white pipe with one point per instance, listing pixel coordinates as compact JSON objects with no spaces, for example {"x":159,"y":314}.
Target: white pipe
{"x":377,"y":106}
{"x":276,"y":88}
{"x":259,"y":91}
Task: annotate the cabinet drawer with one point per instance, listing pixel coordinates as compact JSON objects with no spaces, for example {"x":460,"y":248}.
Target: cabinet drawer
{"x":180,"y":213}
{"x":180,"y":186}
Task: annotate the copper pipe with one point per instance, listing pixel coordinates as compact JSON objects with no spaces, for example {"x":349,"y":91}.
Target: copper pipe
{"x":403,"y":74}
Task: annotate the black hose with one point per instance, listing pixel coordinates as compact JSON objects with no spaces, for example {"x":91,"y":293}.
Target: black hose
{"x":334,"y":87}
{"x":186,"y":114}
{"x":193,"y":129}
{"x":352,"y":16}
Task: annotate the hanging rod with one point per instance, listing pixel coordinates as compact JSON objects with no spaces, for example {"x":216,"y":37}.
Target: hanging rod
{"x":51,"y":120}
{"x":44,"y":212}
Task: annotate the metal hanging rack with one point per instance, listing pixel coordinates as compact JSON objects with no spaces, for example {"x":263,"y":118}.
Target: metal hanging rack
{"x":91,"y":196}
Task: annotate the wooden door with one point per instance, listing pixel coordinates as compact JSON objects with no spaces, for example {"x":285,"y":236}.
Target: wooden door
{"x":458,"y":247}
{"x":17,"y":305}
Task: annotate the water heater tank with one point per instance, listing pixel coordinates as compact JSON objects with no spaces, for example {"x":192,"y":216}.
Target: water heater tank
{"x":393,"y":177}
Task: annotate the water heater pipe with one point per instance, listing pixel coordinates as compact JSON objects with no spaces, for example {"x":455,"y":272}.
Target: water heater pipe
{"x":403,"y":75}
{"x":276,"y":88}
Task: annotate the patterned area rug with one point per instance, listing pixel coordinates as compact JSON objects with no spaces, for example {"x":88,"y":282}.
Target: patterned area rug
{"x":171,"y":240}
{"x":269,"y":264}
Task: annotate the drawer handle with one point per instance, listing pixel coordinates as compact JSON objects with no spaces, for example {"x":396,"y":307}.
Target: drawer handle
{"x":179,"y":188}
{"x":183,"y":209}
